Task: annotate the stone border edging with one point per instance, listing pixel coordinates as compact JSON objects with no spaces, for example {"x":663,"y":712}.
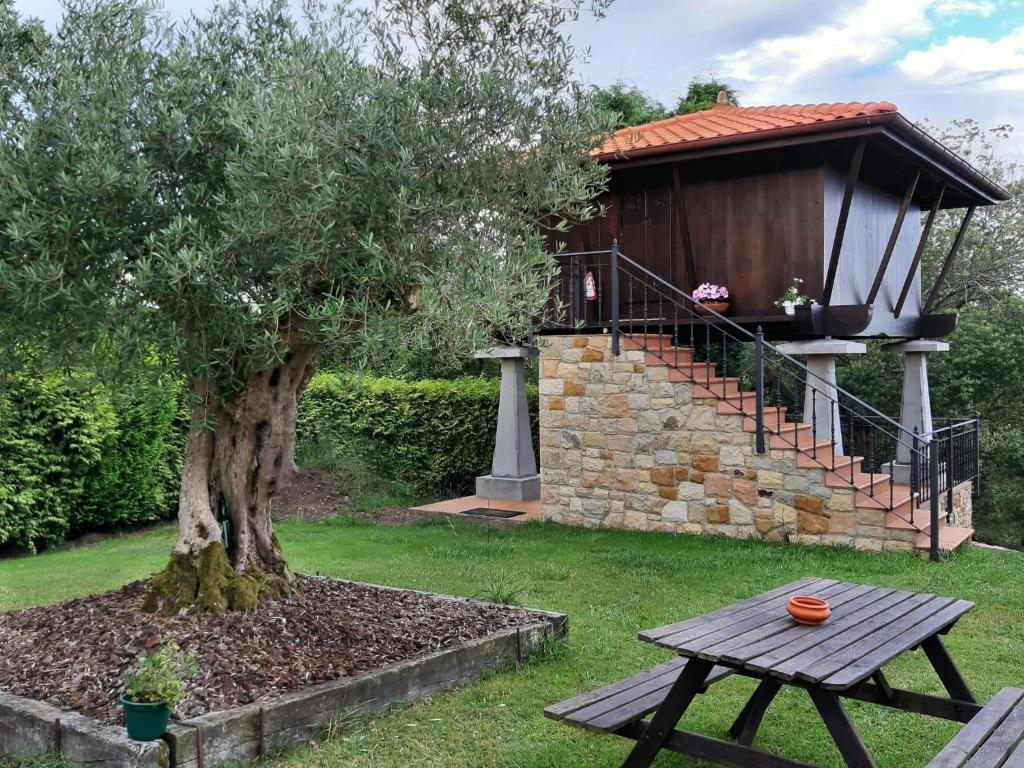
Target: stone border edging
{"x":29,"y":728}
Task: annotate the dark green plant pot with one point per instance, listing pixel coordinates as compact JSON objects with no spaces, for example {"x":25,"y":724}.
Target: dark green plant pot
{"x":145,"y":722}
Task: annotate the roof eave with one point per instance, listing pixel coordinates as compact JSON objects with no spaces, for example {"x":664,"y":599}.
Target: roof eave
{"x":756,"y":137}
{"x":892,"y":124}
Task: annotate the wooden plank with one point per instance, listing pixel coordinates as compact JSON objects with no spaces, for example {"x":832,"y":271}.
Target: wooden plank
{"x":1002,"y":743}
{"x":841,"y":729}
{"x":771,"y":619}
{"x":735,"y":650}
{"x":672,"y":708}
{"x":849,"y":633}
{"x":906,"y":633}
{"x":879,"y":633}
{"x":921,"y":243}
{"x":679,"y":641}
{"x":714,"y":750}
{"x":650,"y":635}
{"x":972,"y":735}
{"x":894,"y":237}
{"x":762,"y":654}
{"x":912,"y":701}
{"x":683,"y":232}
{"x":624,"y":710}
{"x":1016,"y":760}
{"x":844,"y":214}
{"x":933,"y":295}
{"x":564,"y":708}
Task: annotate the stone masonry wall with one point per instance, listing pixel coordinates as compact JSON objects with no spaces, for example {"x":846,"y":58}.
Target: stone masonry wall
{"x":623,"y":447}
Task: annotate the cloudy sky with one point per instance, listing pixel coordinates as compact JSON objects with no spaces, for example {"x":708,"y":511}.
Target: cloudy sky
{"x":936,"y":59}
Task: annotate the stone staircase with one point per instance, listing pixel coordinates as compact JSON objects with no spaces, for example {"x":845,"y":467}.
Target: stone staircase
{"x":875,"y":499}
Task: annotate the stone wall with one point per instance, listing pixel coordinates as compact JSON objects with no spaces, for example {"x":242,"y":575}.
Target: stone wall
{"x":963,"y":505}
{"x":623,"y":447}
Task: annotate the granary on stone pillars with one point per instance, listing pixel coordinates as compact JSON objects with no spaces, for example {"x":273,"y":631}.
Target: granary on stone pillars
{"x":835,"y":200}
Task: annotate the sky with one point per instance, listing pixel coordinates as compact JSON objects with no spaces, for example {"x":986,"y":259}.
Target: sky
{"x":935,"y":59}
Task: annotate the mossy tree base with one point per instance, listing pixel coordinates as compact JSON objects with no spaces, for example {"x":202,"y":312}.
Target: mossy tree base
{"x":207,"y":583}
{"x":239,"y":454}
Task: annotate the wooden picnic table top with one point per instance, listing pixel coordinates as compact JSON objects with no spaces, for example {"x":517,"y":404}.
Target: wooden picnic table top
{"x":869,"y":627}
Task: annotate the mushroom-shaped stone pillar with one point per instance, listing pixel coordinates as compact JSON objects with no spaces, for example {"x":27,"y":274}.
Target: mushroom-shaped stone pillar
{"x":514,"y":474}
{"x":821,"y":398}
{"x":916,"y":404}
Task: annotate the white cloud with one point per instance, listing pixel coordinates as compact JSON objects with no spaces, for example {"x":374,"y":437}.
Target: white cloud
{"x":957,"y":7}
{"x":991,"y":65}
{"x":868,"y":34}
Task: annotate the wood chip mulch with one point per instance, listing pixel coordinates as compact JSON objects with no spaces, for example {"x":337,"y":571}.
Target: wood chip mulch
{"x":73,"y":654}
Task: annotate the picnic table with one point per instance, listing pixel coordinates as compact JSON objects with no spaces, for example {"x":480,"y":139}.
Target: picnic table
{"x":842,"y":658}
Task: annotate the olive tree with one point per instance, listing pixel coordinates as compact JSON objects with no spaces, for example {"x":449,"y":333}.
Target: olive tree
{"x":235,"y":193}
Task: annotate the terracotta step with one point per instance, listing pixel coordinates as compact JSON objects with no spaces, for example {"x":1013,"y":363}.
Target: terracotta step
{"x":838,"y":466}
{"x":642,"y":340}
{"x":674,"y":356}
{"x":861,"y":480}
{"x":798,"y":437}
{"x":882,"y":499}
{"x":719,"y":388}
{"x":748,"y":399}
{"x":950,"y":539}
{"x":774,"y":418}
{"x":695,"y":374}
{"x":907,"y":516}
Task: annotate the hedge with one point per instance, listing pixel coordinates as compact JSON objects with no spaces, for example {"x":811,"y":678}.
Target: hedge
{"x":436,"y":436}
{"x":76,"y":456}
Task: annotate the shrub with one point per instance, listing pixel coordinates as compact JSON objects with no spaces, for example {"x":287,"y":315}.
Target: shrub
{"x":76,"y":456}
{"x":434,"y":435}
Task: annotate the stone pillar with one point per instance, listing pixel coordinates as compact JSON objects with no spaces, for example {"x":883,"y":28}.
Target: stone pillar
{"x":821,"y":405}
{"x":916,"y":403}
{"x":514,"y":474}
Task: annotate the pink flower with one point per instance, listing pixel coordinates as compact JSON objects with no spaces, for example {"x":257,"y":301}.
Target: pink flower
{"x":710,"y":292}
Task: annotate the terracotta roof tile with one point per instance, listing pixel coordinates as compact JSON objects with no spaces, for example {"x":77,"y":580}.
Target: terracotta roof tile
{"x":724,"y":121}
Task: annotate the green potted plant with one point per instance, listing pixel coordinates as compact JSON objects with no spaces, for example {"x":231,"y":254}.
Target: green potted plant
{"x":792,"y":298}
{"x":153,"y":689}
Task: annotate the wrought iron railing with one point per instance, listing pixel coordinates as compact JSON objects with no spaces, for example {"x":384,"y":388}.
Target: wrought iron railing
{"x":789,"y":404}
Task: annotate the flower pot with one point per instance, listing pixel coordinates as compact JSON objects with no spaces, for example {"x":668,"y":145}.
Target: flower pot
{"x":144,"y":721}
{"x":808,"y":610}
{"x":789,"y":307}
{"x":721,"y":307}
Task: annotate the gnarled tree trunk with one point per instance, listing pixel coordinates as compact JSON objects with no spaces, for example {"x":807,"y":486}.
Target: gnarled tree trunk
{"x":239,"y":455}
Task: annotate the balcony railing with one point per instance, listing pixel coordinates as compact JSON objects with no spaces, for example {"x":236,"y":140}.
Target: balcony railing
{"x":606,"y":290}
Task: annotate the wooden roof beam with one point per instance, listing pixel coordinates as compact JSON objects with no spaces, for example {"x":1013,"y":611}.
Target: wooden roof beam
{"x":925,"y":233}
{"x":948,"y":263}
{"x":844,"y":214}
{"x":894,"y":236}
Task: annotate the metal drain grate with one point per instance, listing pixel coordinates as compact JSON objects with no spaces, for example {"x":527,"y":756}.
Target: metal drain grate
{"x":485,"y":512}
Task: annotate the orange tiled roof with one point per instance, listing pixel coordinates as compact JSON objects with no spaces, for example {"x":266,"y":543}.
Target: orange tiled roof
{"x":724,"y":123}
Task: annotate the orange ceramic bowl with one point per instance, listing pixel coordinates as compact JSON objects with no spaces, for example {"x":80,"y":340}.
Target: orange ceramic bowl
{"x":808,"y":610}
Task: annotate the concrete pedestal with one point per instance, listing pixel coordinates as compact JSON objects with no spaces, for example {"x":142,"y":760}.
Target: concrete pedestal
{"x":514,"y":474}
{"x":916,"y":404}
{"x":821,"y":406}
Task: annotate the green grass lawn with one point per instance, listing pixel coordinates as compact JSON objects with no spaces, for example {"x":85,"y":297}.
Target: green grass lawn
{"x":611,"y":584}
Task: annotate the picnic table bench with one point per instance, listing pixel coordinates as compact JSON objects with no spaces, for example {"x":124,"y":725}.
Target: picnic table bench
{"x":842,"y":658}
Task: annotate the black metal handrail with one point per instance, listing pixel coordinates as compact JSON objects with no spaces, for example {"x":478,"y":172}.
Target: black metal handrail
{"x":640,"y":299}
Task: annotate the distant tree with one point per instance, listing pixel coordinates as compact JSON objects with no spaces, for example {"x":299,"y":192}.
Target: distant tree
{"x":703,"y":94}
{"x":238,"y":192}
{"x":991,"y":260}
{"x":628,"y":105}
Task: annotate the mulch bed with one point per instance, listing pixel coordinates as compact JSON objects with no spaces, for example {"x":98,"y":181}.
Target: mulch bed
{"x":73,"y":654}
{"x":311,"y":495}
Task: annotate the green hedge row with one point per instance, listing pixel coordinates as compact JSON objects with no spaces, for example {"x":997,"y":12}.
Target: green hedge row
{"x":436,"y":436}
{"x":76,"y":456}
